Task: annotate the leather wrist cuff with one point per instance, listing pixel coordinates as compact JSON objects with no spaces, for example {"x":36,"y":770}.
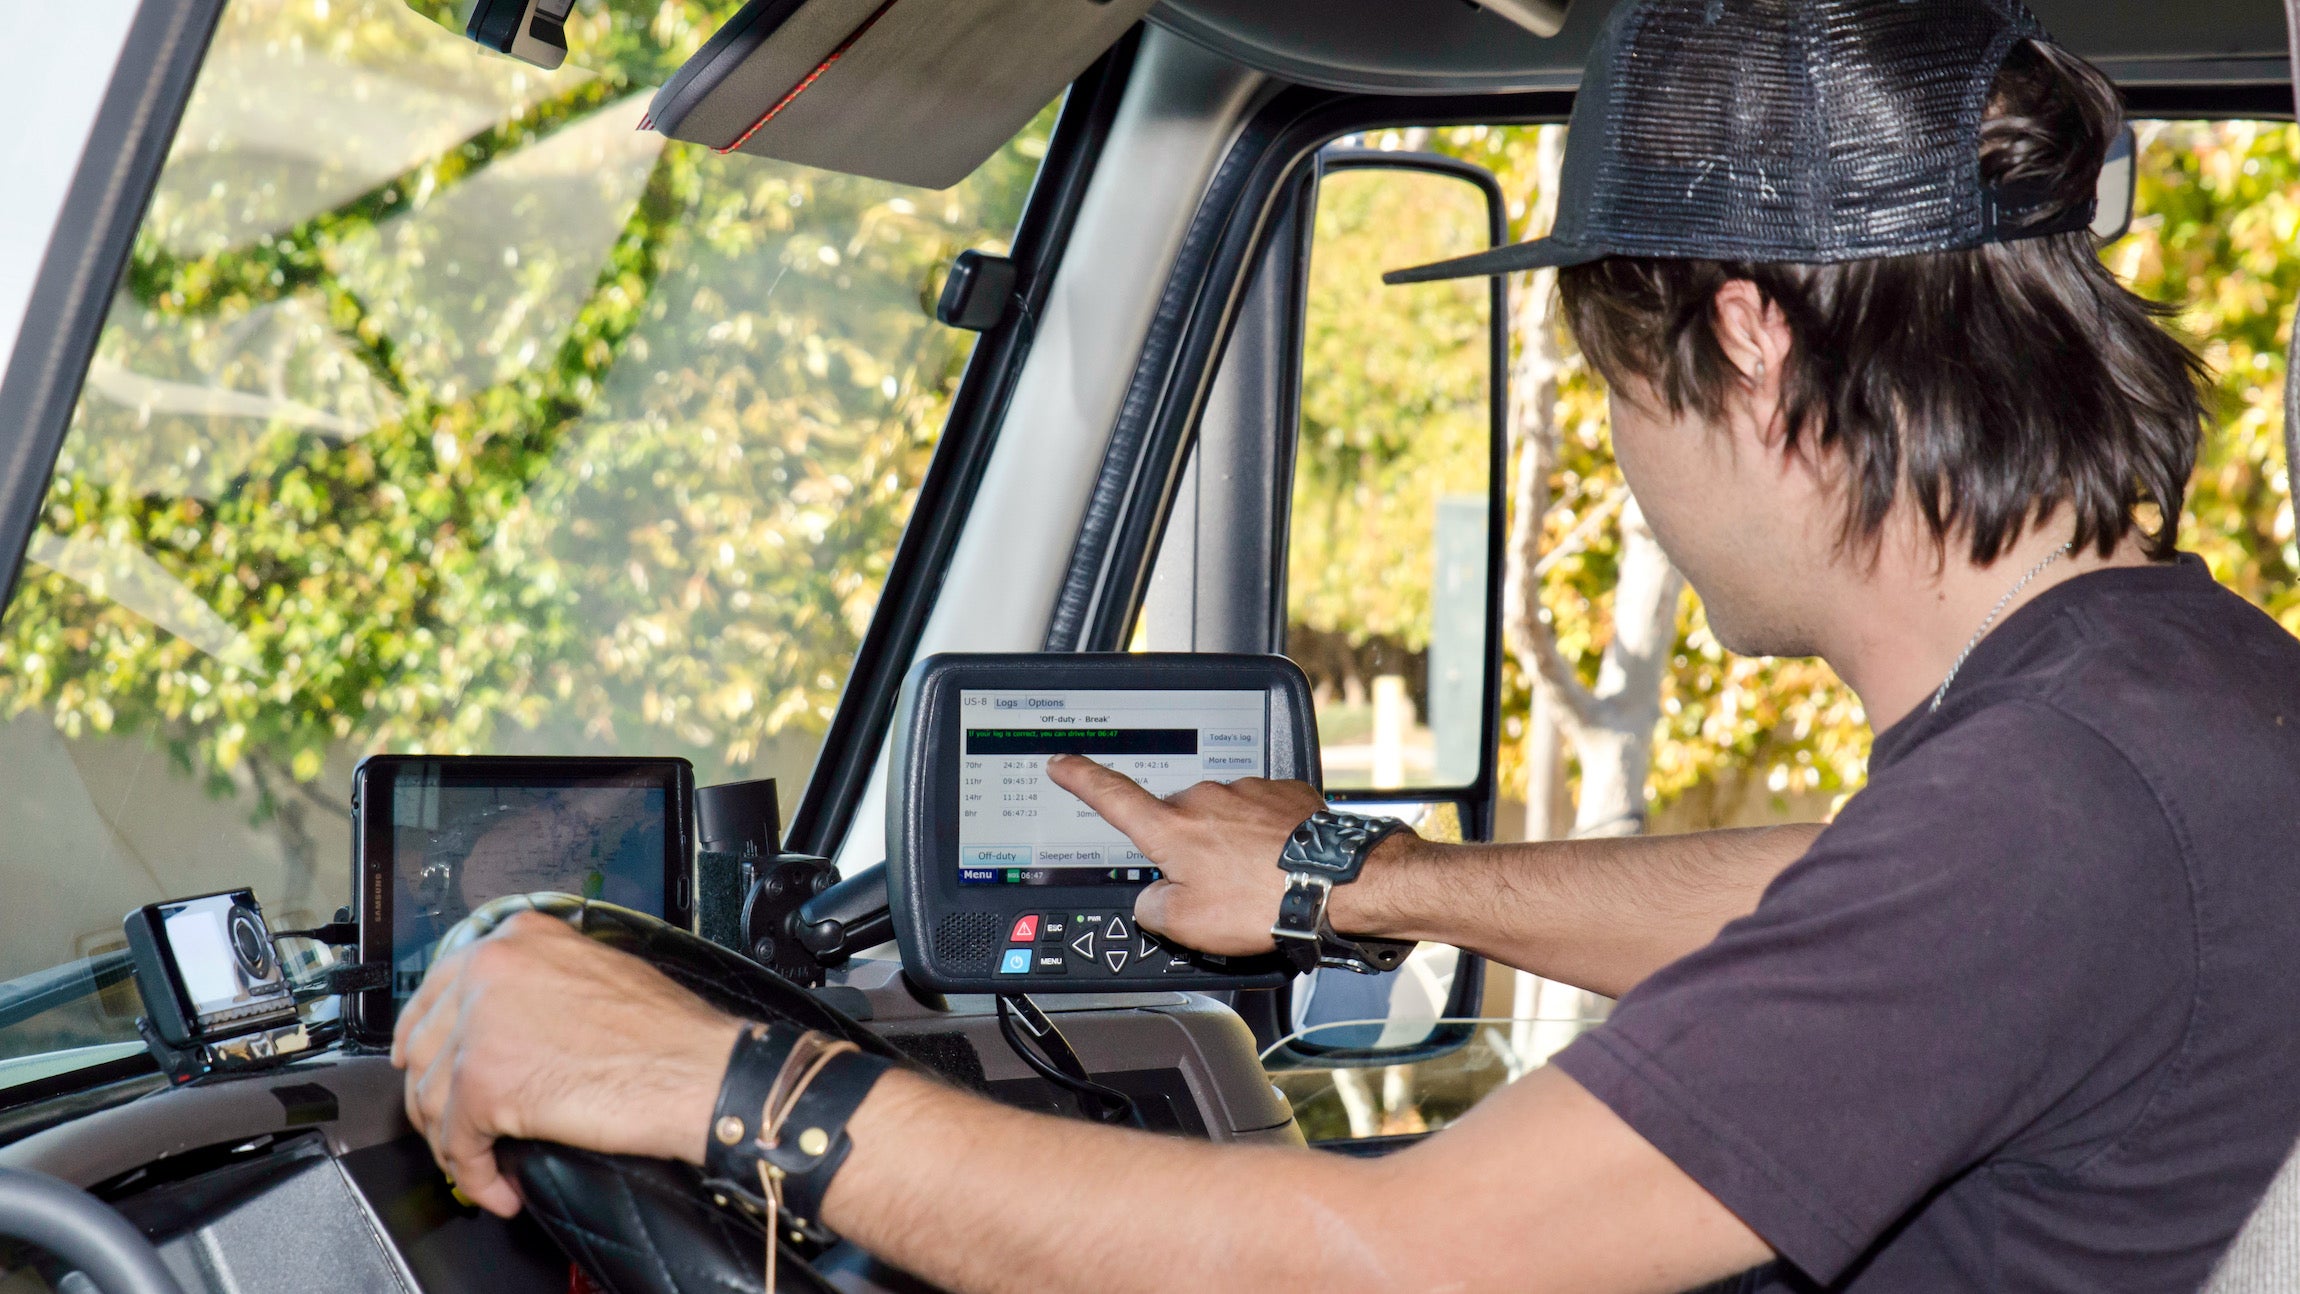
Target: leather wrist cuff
{"x":1326,"y":850}
{"x":802,"y":1153}
{"x":812,"y":1144}
{"x":730,"y":1152}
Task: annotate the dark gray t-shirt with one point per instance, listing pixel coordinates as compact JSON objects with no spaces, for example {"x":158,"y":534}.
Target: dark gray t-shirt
{"x":2027,"y":1016}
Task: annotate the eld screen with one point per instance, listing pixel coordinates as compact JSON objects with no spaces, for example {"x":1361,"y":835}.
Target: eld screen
{"x":1015,"y":827}
{"x":457,"y":843}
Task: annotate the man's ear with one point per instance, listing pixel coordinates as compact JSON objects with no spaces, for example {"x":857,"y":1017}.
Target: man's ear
{"x":1754,"y":335}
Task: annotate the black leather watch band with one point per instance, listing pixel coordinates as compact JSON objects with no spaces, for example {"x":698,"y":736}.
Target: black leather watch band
{"x":1326,"y":850}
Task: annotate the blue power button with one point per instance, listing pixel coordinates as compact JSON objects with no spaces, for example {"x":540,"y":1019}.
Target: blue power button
{"x":1017,"y":962}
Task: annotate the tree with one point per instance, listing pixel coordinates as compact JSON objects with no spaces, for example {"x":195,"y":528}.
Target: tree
{"x":556,"y":423}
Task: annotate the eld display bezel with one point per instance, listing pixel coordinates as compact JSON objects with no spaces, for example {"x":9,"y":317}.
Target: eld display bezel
{"x":923,"y":823}
{"x":373,"y":854}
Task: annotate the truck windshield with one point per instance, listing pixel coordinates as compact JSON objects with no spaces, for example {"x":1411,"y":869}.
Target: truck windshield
{"x":441,"y":409}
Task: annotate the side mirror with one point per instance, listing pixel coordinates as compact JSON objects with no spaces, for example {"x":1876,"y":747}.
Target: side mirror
{"x":1393,"y":569}
{"x":532,"y":31}
{"x":2119,"y":173}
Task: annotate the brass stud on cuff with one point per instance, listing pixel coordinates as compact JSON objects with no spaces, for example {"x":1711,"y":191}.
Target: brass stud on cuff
{"x":729,"y":1129}
{"x":813,"y":1142}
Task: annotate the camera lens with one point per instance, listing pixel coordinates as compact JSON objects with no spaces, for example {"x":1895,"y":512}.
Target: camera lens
{"x":249,"y":943}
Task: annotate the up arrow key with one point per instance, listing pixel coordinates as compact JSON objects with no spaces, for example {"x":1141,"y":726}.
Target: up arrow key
{"x":1116,"y":931}
{"x":1116,"y":957}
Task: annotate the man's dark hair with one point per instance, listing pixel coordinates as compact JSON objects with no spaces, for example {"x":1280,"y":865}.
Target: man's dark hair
{"x":1997,"y":384}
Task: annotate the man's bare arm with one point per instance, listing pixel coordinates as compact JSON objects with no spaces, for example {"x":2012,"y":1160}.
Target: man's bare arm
{"x":1599,"y":914}
{"x":1541,"y":1187}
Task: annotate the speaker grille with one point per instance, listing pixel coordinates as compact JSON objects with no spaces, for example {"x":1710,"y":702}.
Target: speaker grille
{"x":963,"y":941}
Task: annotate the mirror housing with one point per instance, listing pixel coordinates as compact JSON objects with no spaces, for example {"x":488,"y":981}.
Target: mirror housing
{"x":2119,"y":176}
{"x":1339,"y":1020}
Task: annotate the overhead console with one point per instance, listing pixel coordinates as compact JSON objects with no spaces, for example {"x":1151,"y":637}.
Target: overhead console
{"x":914,"y":91}
{"x":1003,"y":882}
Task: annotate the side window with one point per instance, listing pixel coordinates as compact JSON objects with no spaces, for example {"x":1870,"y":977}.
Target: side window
{"x":441,"y":409}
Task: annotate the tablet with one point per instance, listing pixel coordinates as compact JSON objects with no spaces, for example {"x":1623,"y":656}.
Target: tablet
{"x":434,"y":836}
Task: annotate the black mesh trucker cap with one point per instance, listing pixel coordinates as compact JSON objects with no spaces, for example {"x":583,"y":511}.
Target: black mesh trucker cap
{"x":1782,"y":130}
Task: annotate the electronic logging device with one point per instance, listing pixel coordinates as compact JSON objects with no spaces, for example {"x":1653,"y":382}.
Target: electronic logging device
{"x":215,"y":995}
{"x":434,"y":836}
{"x":1002,"y":882}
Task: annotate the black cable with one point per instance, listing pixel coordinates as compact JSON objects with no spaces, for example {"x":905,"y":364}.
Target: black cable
{"x":1060,"y":1064}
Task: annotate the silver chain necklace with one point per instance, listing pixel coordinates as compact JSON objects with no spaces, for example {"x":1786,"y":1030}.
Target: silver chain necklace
{"x":1995,"y":611}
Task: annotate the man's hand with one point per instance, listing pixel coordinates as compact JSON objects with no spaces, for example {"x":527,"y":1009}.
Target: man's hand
{"x":1216,"y":846}
{"x":538,"y":1032}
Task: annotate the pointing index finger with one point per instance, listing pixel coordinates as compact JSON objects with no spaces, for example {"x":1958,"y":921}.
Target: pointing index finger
{"x":1121,"y":800}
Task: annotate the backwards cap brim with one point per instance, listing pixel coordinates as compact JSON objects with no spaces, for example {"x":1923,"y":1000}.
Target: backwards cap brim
{"x":1539,"y":254}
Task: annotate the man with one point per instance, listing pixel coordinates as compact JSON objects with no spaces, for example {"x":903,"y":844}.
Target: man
{"x":2020,"y":1018}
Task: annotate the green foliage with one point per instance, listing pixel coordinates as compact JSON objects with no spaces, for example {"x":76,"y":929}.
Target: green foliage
{"x":555,"y":422}
{"x":2219,"y":206}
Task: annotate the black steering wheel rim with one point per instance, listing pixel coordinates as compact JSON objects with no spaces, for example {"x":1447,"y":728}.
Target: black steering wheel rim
{"x":651,"y":1226}
{"x":82,"y":1232}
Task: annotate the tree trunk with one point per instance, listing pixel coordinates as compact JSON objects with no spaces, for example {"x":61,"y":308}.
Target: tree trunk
{"x":1610,"y":725}
{"x":1616,"y":745}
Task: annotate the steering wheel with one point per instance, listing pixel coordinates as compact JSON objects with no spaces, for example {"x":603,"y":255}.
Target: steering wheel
{"x":650,"y":1226}
{"x":82,"y":1232}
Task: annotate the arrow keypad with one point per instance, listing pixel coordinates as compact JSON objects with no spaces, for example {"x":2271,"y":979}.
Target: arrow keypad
{"x":1087,"y":945}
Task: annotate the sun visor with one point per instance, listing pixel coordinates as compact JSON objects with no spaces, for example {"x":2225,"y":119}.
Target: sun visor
{"x":914,"y":91}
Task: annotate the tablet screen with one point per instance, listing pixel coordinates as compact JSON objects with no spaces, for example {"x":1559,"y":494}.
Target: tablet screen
{"x":460,"y":834}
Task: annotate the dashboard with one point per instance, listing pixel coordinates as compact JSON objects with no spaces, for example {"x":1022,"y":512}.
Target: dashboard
{"x":298,"y":1170}
{"x":308,"y":1178}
